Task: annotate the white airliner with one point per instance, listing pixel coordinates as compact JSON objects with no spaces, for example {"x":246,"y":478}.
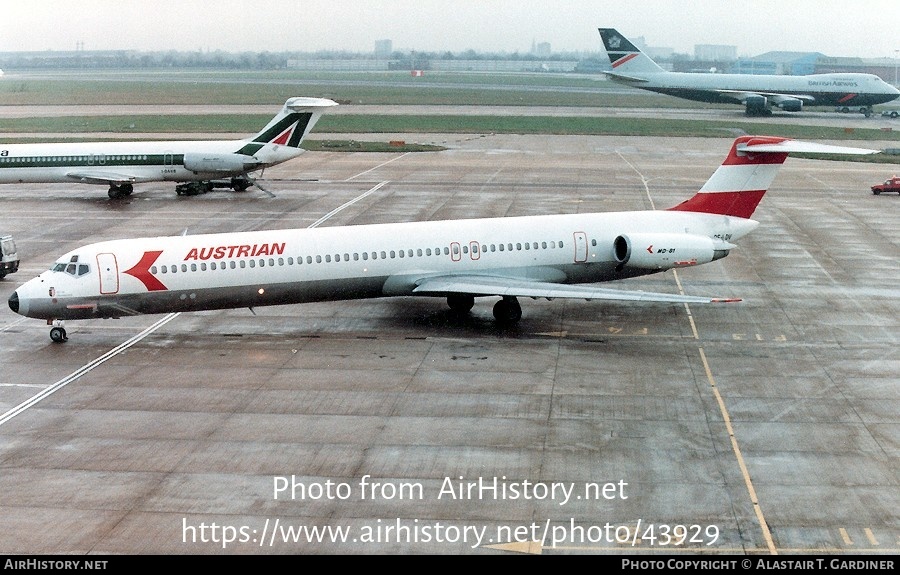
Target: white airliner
{"x":757,"y":92}
{"x":549,"y":256}
{"x":197,"y":166}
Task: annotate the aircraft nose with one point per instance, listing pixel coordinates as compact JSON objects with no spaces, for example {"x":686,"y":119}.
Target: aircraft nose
{"x":14,"y":302}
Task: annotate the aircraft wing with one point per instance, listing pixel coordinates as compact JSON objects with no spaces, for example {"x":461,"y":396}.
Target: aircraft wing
{"x":106,"y":178}
{"x":502,"y":286}
{"x":742,"y":96}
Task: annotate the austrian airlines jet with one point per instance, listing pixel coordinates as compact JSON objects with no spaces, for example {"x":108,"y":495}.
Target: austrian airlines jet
{"x":549,"y":256}
{"x":198,"y":166}
{"x":757,"y":92}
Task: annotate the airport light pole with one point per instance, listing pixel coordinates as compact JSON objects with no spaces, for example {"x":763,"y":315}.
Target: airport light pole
{"x":896,"y":52}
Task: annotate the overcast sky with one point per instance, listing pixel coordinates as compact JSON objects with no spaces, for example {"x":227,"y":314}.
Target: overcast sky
{"x":866,"y":28}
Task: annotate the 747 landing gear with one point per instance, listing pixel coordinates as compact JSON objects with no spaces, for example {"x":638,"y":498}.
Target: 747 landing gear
{"x":58,"y":332}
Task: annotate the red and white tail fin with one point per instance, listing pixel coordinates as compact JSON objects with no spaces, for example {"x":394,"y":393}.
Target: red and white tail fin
{"x":739,"y":184}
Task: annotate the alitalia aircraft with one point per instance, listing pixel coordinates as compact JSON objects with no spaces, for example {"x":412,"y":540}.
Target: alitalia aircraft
{"x":197,"y":166}
{"x":757,"y":92}
{"x":547,"y":256}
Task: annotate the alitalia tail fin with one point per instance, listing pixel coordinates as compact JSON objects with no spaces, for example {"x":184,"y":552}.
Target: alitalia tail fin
{"x":291,"y":125}
{"x":626,"y":59}
{"x":739,"y":184}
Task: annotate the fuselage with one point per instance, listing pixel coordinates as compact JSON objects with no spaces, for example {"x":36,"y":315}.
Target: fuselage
{"x":103,"y":162}
{"x":248,"y":269}
{"x":814,"y":90}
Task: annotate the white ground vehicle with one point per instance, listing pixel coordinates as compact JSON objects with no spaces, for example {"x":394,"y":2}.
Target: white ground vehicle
{"x":9,"y":259}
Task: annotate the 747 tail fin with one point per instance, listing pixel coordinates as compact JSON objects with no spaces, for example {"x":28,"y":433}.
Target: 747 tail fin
{"x":625,"y":58}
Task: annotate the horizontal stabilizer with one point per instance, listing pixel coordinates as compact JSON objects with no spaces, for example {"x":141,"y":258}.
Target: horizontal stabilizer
{"x":514,"y":287}
{"x":787,"y":146}
{"x":625,"y":79}
{"x":301,"y":104}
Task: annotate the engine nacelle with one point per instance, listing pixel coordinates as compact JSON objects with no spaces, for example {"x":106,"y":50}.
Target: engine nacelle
{"x":791,"y":105}
{"x":757,"y":105}
{"x":220,"y":164}
{"x":667,"y":251}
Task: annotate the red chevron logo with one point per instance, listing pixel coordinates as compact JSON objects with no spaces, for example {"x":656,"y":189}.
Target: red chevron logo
{"x":285,"y":136}
{"x":141,"y":271}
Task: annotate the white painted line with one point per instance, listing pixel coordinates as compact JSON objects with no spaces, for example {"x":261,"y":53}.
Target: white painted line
{"x":85,"y":369}
{"x":346,"y":205}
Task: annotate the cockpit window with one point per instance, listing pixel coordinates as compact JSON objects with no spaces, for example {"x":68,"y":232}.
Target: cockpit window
{"x":72,"y":267}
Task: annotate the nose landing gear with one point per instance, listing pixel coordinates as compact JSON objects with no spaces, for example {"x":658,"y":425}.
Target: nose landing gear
{"x":58,"y":332}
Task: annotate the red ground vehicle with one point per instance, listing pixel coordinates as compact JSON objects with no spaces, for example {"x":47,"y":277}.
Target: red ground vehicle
{"x":890,"y":185}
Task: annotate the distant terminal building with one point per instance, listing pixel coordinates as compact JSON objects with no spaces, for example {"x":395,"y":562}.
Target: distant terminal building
{"x":541,"y":50}
{"x":383,"y":48}
{"x":779,"y":63}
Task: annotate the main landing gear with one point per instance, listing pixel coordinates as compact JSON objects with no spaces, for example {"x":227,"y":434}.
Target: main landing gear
{"x":506,"y":311}
{"x":117,"y":191}
{"x":197,"y":188}
{"x":58,"y":332}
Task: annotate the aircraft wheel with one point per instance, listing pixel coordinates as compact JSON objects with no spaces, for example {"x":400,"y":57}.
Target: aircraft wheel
{"x":460,"y":303}
{"x":114,"y":193}
{"x":58,"y":334}
{"x":508,"y":310}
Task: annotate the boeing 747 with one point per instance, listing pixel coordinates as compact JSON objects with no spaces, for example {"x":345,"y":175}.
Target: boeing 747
{"x":757,"y":92}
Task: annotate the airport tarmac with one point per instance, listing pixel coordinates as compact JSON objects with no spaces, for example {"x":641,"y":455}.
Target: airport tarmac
{"x":391,"y":426}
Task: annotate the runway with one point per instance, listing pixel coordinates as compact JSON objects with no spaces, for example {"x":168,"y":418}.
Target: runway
{"x":390,"y":426}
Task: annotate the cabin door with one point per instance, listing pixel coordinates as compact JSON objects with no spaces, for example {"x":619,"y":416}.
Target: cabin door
{"x":109,"y":273}
{"x":581,"y":247}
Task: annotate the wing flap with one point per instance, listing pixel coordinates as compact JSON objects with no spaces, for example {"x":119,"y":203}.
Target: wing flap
{"x":99,"y":177}
{"x":514,"y":287}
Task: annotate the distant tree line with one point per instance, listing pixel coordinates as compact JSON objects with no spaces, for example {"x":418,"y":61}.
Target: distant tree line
{"x":242,"y":60}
